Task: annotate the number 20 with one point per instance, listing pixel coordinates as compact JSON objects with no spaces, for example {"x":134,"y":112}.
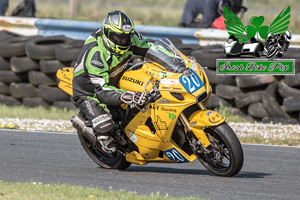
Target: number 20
{"x":195,"y":81}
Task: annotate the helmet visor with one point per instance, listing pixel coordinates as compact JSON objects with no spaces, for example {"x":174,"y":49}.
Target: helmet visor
{"x":121,"y":39}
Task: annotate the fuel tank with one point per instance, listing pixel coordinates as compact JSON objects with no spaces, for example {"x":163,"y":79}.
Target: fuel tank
{"x":136,"y":78}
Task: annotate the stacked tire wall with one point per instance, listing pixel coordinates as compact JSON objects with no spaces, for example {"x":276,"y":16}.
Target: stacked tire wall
{"x":28,"y":68}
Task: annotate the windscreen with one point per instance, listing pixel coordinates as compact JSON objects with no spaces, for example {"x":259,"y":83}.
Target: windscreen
{"x":166,"y":54}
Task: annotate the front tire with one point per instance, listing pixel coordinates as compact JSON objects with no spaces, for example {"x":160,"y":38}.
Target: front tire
{"x":103,"y":159}
{"x":224,"y":157}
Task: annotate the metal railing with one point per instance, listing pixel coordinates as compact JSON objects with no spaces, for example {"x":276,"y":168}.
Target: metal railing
{"x":82,"y":29}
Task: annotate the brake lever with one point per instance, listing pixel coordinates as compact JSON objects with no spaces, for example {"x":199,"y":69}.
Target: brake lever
{"x":144,"y":108}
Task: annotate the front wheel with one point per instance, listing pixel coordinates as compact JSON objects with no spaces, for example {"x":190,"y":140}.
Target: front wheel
{"x":224,"y":157}
{"x":103,"y":159}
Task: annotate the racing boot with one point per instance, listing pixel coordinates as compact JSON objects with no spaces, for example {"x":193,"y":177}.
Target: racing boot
{"x":107,"y":143}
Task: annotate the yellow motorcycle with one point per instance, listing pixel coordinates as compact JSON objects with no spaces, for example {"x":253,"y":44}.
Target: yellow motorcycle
{"x":173,"y":126}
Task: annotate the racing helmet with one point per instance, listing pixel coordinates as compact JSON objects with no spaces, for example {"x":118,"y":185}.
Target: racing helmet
{"x":117,"y":32}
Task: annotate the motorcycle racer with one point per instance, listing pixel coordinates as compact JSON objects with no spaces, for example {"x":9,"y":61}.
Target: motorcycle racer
{"x":105,"y":54}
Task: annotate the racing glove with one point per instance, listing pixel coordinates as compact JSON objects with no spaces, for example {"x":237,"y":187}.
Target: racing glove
{"x":129,"y":97}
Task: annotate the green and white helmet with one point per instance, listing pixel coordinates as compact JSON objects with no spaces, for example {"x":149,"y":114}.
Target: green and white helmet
{"x":118,"y":29}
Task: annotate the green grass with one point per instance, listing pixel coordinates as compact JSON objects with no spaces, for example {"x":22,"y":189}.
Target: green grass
{"x":36,"y":191}
{"x":229,"y":115}
{"x":23,"y":112}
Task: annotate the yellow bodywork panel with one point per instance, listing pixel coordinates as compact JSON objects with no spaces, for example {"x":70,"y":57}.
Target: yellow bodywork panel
{"x":65,"y":76}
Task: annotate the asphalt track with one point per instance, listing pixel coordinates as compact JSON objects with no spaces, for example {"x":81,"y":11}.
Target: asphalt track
{"x":269,"y":172}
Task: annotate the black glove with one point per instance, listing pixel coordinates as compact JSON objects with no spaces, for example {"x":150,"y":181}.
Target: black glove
{"x":129,"y":97}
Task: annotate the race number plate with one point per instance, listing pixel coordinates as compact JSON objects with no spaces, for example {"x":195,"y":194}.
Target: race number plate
{"x":191,"y":81}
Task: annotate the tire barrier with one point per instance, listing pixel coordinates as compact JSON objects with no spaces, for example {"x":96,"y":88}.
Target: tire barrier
{"x":28,"y":77}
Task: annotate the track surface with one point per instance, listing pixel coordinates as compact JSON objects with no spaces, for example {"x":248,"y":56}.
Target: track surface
{"x":269,"y":172}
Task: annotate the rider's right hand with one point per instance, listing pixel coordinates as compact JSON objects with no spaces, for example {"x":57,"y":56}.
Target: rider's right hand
{"x":138,"y":98}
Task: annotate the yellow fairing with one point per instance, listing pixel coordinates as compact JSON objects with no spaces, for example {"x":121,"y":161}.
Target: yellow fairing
{"x":65,"y":76}
{"x":151,"y":131}
{"x":202,"y":118}
{"x":155,"y":143}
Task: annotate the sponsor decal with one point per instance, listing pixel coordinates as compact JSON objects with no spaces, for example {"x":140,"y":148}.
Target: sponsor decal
{"x":215,"y":119}
{"x":100,"y":119}
{"x":175,"y":155}
{"x":209,"y":113}
{"x":170,"y":81}
{"x":168,"y":109}
{"x":130,"y":79}
{"x":193,"y":123}
{"x":133,"y":137}
{"x":164,"y":101}
{"x":126,"y":28}
{"x":106,"y":125}
{"x":159,"y":124}
{"x":172,"y":116}
{"x":194,"y":67}
{"x":89,"y":107}
{"x":153,"y":107}
{"x":119,"y":70}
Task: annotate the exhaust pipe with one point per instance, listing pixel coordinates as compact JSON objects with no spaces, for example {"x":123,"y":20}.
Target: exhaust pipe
{"x":88,"y":132}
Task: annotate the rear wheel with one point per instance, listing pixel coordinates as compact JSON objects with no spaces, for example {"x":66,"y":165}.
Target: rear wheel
{"x":103,"y":159}
{"x":224,"y":157}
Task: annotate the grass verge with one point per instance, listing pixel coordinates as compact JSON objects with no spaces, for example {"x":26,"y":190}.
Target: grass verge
{"x":23,"y":112}
{"x":37,"y":191}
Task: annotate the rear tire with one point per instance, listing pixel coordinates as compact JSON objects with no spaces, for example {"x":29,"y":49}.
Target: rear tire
{"x":103,"y":159}
{"x":229,"y":160}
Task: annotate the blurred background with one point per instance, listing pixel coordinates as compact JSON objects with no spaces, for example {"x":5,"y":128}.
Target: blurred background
{"x":152,"y":12}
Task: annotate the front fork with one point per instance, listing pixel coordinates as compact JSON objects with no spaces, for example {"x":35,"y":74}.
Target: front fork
{"x":197,"y":122}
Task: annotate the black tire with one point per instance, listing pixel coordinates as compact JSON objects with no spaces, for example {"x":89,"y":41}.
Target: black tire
{"x":187,"y":49}
{"x":5,"y":35}
{"x":69,"y":51}
{"x":44,"y":48}
{"x":105,"y":160}
{"x":22,"y":90}
{"x":40,"y":78}
{"x":291,"y":104}
{"x":278,"y":120}
{"x":52,"y":94}
{"x":52,"y":66}
{"x":8,"y":76}
{"x":176,"y":41}
{"x":4,"y":64}
{"x":257,"y":110}
{"x":228,"y":91}
{"x":9,"y":101}
{"x":213,"y":78}
{"x":293,"y":80}
{"x":207,"y":57}
{"x":248,"y":98}
{"x":65,"y":105}
{"x":270,"y":102}
{"x":23,"y":64}
{"x":215,"y":101}
{"x":253,"y":80}
{"x":14,"y":46}
{"x":287,"y":91}
{"x":4,"y":89}
{"x":233,"y":157}
{"x":34,"y":102}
